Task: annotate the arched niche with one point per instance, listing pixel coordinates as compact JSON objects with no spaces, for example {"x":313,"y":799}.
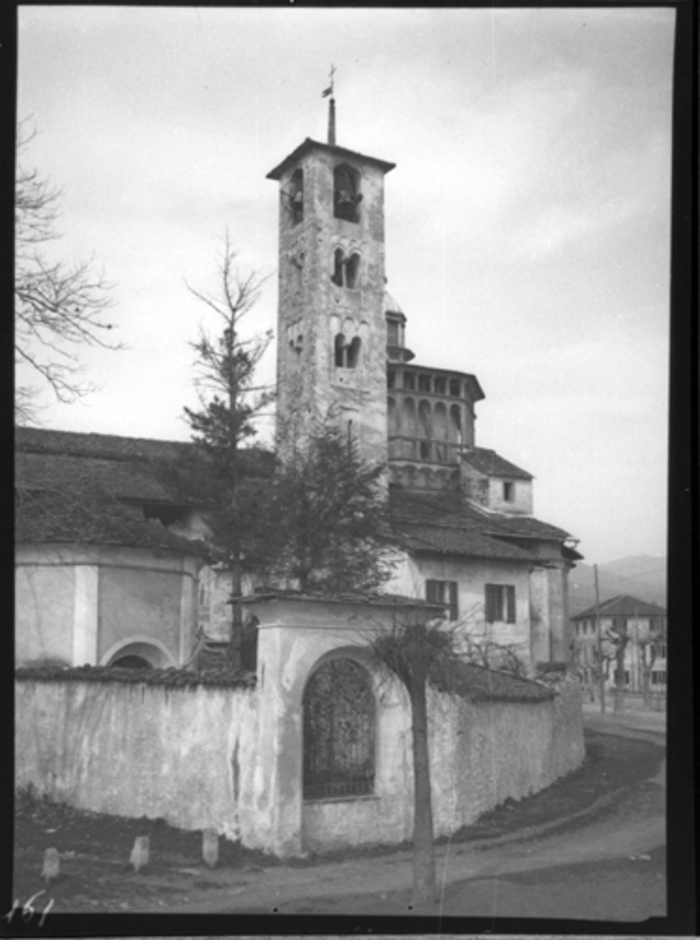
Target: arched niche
{"x":346,"y":193}
{"x":339,"y":730}
{"x":149,"y":649}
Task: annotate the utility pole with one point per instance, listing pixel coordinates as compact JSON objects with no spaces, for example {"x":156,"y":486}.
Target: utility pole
{"x":599,"y":642}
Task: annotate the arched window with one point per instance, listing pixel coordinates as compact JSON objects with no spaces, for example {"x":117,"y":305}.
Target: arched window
{"x":347,"y":354}
{"x":346,"y":271}
{"x":440,"y":431}
{"x":354,"y":353}
{"x":408,"y":427}
{"x":131,"y":662}
{"x":393,"y":417}
{"x":338,"y":709}
{"x":340,"y":347}
{"x":425,"y":431}
{"x":297,"y":195}
{"x":337,"y":275}
{"x":352,"y":271}
{"x":455,"y":432}
{"x":346,"y":193}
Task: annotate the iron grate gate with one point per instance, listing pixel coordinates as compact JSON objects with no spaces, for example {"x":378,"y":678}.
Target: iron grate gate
{"x":338,"y":731}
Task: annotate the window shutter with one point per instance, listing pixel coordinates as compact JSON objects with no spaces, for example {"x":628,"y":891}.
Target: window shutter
{"x":510,"y":602}
{"x":490,"y":606}
{"x":431,"y":592}
{"x":454,"y":602}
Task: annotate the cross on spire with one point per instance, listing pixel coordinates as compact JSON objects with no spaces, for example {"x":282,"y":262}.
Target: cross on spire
{"x":329,"y":90}
{"x":331,"y":107}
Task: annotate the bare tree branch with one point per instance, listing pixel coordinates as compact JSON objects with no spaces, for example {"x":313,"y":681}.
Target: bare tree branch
{"x":59,"y":307}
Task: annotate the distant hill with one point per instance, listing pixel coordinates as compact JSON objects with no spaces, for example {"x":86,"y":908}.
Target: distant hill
{"x":642,"y":576}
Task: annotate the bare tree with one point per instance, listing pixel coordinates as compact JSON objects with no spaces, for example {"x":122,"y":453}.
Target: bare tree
{"x":422,"y":653}
{"x":59,"y":307}
{"x":650,"y":649}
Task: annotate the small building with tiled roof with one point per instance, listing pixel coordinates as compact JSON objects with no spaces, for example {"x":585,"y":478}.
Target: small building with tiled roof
{"x":107,"y":557}
{"x":638,"y":628}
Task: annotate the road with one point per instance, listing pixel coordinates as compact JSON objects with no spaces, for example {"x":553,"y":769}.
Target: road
{"x":605,"y":861}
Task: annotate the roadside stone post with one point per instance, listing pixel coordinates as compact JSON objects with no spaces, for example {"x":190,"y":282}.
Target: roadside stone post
{"x":140,"y":852}
{"x":210,"y":847}
{"x":52,"y":865}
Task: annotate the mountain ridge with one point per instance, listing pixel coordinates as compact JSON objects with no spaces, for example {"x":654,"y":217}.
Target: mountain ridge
{"x":642,"y":576}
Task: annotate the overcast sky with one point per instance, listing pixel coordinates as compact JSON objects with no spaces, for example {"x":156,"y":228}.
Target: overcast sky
{"x":527,"y":219}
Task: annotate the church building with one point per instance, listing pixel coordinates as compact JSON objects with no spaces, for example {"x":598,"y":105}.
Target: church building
{"x":462,"y":514}
{"x":311,"y":751}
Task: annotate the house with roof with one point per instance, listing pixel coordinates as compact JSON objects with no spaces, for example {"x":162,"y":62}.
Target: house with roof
{"x":638,"y":625}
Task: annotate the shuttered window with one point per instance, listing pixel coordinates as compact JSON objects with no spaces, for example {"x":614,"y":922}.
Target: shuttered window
{"x":500,"y":603}
{"x":443,"y":592}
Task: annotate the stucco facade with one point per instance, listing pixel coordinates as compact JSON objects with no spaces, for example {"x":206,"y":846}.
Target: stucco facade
{"x":94,"y":604}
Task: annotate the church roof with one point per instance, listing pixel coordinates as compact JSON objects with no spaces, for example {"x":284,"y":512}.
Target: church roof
{"x":332,"y":149}
{"x":623,"y":605}
{"x":108,"y":446}
{"x":77,"y":516}
{"x":88,"y":487}
{"x":123,"y":479}
{"x":492,"y":464}
{"x":443,"y":523}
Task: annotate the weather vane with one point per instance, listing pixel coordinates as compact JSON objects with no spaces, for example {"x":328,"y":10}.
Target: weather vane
{"x":329,"y":90}
{"x":331,"y":108}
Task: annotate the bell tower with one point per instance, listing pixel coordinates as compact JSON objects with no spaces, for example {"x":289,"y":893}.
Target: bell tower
{"x":331,"y":359}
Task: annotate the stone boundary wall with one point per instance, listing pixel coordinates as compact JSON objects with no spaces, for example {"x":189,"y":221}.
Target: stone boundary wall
{"x":482,"y":753}
{"x":195,"y":756}
{"x":184,"y":754}
{"x":499,"y":751}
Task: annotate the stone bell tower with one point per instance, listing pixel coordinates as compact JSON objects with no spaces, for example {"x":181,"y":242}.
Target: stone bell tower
{"x":331,"y":359}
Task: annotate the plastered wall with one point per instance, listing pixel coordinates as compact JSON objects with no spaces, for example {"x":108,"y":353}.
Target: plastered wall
{"x":186,"y":755}
{"x":231,"y":759}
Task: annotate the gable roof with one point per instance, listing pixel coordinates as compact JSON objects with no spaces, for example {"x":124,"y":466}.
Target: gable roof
{"x":492,"y":464}
{"x":122,"y":479}
{"x":77,"y":488}
{"x":106,"y":446}
{"x":444,"y":523}
{"x":55,"y":466}
{"x":70,"y":516}
{"x":623,"y":605}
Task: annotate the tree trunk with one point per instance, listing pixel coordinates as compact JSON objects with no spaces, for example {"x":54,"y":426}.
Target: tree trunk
{"x":423,"y":847}
{"x":619,"y":699}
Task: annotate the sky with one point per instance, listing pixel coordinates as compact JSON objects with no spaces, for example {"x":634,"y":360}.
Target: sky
{"x":527,"y":219}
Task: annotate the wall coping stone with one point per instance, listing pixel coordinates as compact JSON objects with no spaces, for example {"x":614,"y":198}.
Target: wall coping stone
{"x":171,"y":677}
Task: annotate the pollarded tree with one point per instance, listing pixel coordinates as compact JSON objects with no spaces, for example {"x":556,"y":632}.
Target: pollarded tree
{"x":423,"y":653}
{"x":223,"y":473}
{"x":419,"y":653}
{"x":58,"y":307}
{"x":328,"y":529}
